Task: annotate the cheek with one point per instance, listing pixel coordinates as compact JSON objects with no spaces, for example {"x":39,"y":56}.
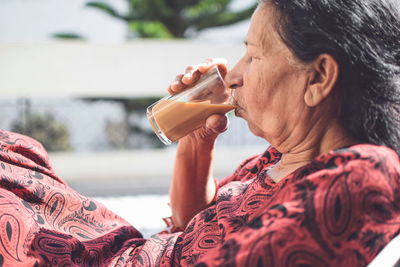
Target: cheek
{"x":258,"y":87}
{"x":256,"y":98}
{"x":267,"y":97}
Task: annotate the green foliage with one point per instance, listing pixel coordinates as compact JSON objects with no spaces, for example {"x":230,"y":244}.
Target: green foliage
{"x":105,"y":8}
{"x":152,"y":29}
{"x":67,"y":35}
{"x":53,"y":135}
{"x":172,"y":18}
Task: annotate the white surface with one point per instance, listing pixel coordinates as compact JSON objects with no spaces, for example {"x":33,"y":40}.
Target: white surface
{"x":144,"y":212}
{"x":389,"y":255}
{"x":140,"y":164}
{"x":134,"y":69}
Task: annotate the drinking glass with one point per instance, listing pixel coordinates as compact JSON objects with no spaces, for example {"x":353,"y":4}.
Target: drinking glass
{"x":175,"y":116}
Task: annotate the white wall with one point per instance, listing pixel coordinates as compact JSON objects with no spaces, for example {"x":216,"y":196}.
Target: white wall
{"x":137,"y":68}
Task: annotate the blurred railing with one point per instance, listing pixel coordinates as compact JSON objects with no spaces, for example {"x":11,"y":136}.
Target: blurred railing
{"x":96,"y":124}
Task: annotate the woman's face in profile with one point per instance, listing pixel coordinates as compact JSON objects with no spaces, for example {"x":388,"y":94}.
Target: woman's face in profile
{"x":270,"y":82}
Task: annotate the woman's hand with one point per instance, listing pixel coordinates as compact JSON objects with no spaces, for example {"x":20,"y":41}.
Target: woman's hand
{"x":193,"y":187}
{"x":216,"y":123}
{"x":193,"y":73}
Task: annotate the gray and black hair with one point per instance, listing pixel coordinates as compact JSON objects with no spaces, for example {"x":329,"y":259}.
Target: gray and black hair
{"x":364,"y":38}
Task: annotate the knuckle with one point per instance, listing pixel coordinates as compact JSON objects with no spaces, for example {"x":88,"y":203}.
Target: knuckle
{"x":189,"y":68}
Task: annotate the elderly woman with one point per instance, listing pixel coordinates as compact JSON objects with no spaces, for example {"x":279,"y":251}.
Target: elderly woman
{"x":320,"y":81}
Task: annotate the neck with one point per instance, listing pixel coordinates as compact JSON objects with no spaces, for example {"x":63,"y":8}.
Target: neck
{"x":312,"y":144}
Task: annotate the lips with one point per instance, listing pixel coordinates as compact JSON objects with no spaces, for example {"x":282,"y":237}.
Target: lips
{"x":238,"y":109}
{"x":233,"y":101}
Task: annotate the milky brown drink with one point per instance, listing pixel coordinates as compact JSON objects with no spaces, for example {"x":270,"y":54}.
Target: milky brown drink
{"x":175,"y":116}
{"x":176,"y":119}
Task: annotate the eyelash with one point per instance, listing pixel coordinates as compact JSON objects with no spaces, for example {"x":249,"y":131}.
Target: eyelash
{"x":252,"y":58}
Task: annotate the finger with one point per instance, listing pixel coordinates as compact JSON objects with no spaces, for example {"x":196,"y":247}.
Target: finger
{"x":192,"y":74}
{"x":176,"y":86}
{"x":221,"y":63}
{"x":191,"y":77}
{"x":192,"y":68}
{"x":217,"y":123}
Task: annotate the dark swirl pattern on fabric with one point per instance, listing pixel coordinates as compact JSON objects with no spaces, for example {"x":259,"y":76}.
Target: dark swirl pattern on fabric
{"x":10,"y":229}
{"x":339,"y":210}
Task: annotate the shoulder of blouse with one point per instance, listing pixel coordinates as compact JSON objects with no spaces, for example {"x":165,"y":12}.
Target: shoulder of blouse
{"x":357,"y":159}
{"x":360,"y":152}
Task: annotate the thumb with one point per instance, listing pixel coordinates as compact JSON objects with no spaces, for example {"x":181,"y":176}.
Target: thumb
{"x":217,"y":123}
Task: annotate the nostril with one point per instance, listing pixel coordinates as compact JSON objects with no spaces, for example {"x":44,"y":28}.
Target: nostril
{"x":233,"y":80}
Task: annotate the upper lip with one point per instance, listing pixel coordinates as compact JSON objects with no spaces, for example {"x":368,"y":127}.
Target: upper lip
{"x":234,"y":102}
{"x":233,"y":99}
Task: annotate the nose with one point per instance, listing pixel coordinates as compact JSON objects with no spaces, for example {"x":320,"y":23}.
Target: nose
{"x":234,"y":79}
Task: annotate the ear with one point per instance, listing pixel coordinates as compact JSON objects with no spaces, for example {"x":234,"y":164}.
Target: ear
{"x":324,"y":72}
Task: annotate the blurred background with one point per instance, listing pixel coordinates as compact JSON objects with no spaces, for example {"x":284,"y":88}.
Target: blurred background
{"x":78,"y":75}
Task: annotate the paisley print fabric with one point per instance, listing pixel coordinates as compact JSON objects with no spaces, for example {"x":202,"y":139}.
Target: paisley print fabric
{"x":339,"y":210}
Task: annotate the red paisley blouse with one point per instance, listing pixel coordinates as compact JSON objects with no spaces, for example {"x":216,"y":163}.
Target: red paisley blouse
{"x":339,"y":210}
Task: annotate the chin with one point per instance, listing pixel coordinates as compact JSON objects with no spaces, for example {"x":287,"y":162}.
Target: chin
{"x":254,"y":129}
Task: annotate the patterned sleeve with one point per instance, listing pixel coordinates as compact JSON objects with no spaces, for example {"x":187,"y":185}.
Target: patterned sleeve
{"x":341,"y":215}
{"x":44,"y":222}
{"x":239,"y":174}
